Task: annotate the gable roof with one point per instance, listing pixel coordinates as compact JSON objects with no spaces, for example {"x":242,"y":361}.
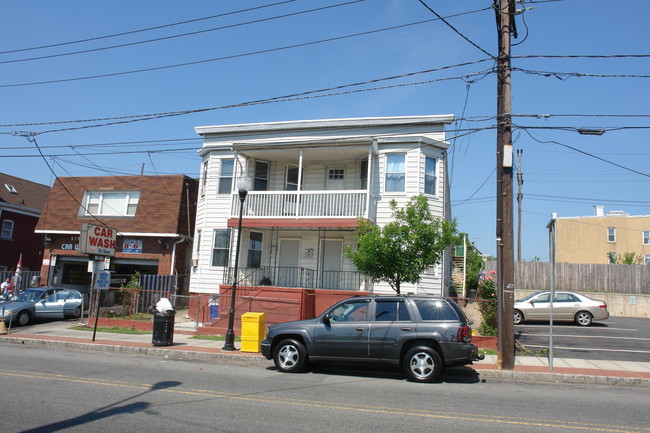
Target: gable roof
{"x":29,"y":194}
{"x":162,"y":206}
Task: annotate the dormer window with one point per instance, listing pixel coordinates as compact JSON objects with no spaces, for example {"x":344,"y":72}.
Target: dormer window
{"x":110,"y":203}
{"x":11,"y":188}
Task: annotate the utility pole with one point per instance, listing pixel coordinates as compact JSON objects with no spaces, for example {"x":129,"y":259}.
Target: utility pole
{"x":505,"y":10}
{"x":520,"y":196}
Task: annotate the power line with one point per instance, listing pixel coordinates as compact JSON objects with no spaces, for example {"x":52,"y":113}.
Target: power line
{"x":60,"y":44}
{"x":163,"y":38}
{"x":297,"y":97}
{"x":233,"y":56}
{"x":454,"y":29}
{"x":588,"y":154}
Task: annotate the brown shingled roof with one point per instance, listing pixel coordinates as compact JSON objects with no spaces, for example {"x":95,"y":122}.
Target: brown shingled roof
{"x":29,"y":194}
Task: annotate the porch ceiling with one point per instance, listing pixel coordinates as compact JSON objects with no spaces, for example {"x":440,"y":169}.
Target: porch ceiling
{"x":312,"y":154}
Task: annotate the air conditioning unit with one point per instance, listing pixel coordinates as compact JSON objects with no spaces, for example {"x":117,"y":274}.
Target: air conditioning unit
{"x":195,"y":262}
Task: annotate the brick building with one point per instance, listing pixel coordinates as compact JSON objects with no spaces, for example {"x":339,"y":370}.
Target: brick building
{"x":153,"y":215}
{"x":21,"y":203}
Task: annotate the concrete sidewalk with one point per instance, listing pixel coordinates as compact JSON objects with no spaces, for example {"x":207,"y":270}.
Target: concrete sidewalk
{"x":527,"y":368}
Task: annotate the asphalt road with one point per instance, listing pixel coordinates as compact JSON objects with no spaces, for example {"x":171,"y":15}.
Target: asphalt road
{"x":615,"y":339}
{"x":51,"y":390}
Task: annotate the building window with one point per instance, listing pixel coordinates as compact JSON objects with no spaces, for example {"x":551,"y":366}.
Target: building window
{"x":292,"y":178}
{"x":395,"y":172}
{"x":113,"y":203}
{"x":221,"y":248}
{"x":647,"y":259}
{"x":255,"y":250}
{"x":646,"y":237}
{"x":204,"y":178}
{"x":198,"y":244}
{"x":611,"y":234}
{"x":261,"y":176}
{"x":363,"y":174}
{"x":612,"y":257}
{"x":336,"y":174}
{"x":430,"y":175}
{"x":225,"y":177}
{"x":7,"y":229}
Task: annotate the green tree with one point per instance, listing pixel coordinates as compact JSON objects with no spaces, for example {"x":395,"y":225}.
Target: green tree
{"x":404,"y":248}
{"x":631,"y":259}
{"x":473,"y":267}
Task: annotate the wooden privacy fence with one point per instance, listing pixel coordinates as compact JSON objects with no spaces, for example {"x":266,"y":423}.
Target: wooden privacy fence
{"x":579,"y":277}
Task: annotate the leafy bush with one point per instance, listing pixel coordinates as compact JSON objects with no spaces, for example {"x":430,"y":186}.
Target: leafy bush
{"x":487,"y":293}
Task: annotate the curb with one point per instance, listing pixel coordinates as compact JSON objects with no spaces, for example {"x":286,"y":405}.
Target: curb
{"x":211,"y":356}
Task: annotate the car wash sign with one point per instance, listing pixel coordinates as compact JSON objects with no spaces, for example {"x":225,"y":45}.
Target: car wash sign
{"x":98,"y":240}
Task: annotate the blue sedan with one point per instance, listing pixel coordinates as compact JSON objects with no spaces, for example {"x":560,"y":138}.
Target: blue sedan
{"x":42,"y":303}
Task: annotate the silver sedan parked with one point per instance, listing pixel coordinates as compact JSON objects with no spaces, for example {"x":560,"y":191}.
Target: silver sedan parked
{"x":567,"y":306}
{"x":41,"y":303}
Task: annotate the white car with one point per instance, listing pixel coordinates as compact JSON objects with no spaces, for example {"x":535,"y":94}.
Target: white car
{"x":567,"y":306}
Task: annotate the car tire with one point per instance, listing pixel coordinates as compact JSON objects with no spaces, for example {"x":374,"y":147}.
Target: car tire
{"x":584,"y":318}
{"x":290,"y":356}
{"x":518,"y":317}
{"x":422,"y":364}
{"x":23,"y":318}
{"x":76,"y":313}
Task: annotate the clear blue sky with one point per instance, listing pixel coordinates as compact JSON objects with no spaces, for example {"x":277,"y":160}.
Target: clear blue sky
{"x":250,"y":61}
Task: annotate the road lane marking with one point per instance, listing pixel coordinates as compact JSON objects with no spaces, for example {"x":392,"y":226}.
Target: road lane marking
{"x":589,"y":349}
{"x":272,"y":399}
{"x":586,"y":336}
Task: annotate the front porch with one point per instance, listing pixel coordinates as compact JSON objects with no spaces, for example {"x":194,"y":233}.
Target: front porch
{"x":298,"y":277}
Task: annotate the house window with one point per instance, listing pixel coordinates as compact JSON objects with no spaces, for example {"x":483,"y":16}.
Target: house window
{"x":198,"y":244}
{"x":255,"y":250}
{"x":612,"y":257}
{"x":647,"y":259}
{"x":204,"y":178}
{"x":395,"y":172}
{"x":646,"y":237}
{"x":225,"y":177}
{"x":292,"y":178}
{"x":430,"y":175}
{"x":261,"y":176}
{"x":336,"y":174}
{"x":221,"y":248}
{"x":7,"y":229}
{"x":363,"y":174}
{"x":611,"y":234}
{"x":113,"y":203}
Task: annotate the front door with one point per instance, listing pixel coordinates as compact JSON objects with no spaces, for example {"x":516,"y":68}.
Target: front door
{"x":346,"y":334}
{"x":289,"y":265}
{"x":331,"y":271}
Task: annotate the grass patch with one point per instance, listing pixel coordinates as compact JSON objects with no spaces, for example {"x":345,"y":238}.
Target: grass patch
{"x":487,"y":352}
{"x":212,"y":337}
{"x":111,"y":329}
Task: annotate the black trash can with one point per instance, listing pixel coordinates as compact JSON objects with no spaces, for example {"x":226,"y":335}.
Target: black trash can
{"x":163,"y":328}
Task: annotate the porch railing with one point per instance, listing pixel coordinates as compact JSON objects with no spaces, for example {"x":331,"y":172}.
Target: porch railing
{"x":298,"y":277}
{"x":302,"y":204}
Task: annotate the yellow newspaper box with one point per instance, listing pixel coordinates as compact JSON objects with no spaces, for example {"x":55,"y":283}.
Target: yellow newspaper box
{"x":252,"y":332}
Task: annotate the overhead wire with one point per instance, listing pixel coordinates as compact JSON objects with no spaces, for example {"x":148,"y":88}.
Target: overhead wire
{"x":178,"y":23}
{"x":197,"y":32}
{"x":228,"y":57}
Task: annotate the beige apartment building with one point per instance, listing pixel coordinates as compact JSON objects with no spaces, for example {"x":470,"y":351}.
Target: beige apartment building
{"x":602,"y":237}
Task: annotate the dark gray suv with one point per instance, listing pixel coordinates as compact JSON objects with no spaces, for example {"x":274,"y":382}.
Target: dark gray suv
{"x":423,"y":334}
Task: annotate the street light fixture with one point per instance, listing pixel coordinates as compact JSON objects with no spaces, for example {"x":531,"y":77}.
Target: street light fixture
{"x":244,"y":183}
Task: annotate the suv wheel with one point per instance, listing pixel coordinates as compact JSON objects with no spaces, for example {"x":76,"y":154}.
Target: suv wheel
{"x":422,"y":364}
{"x":290,"y":356}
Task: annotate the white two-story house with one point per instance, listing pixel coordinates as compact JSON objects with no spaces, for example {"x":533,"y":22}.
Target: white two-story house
{"x":309,"y":183}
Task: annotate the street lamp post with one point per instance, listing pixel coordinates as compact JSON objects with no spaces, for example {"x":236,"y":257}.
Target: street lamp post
{"x":243,"y":185}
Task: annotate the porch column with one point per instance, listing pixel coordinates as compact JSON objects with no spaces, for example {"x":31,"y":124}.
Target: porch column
{"x":298,"y":201}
